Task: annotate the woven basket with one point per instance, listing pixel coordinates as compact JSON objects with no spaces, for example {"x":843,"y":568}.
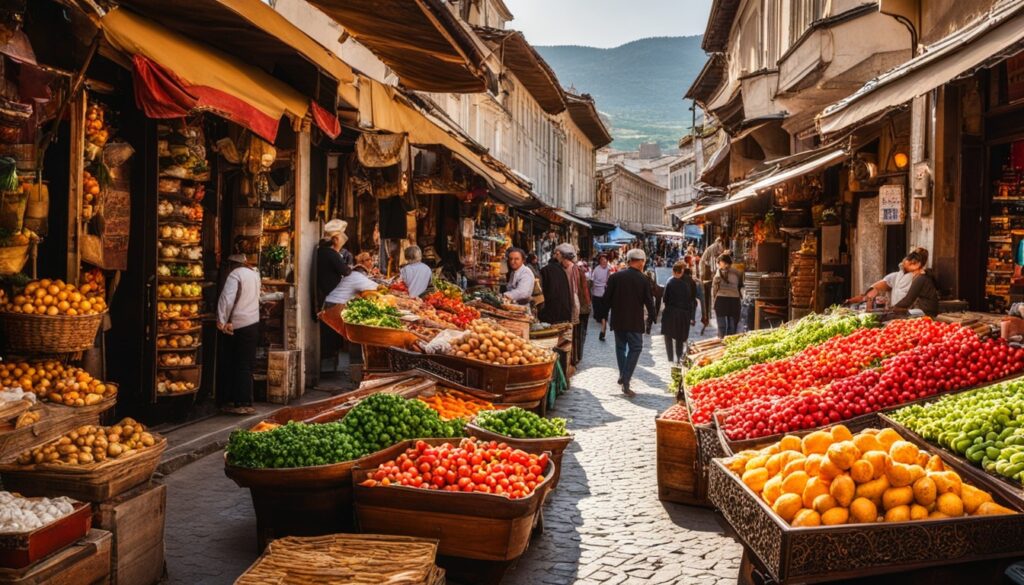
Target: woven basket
{"x":95,"y":482}
{"x":40,"y":334}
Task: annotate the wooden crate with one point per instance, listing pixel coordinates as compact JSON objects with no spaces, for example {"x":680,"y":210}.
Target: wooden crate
{"x":678,"y":476}
{"x":86,"y":562}
{"x":282,"y":375}
{"x":136,"y":521}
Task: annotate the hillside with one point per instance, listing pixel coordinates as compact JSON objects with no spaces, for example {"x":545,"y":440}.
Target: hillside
{"x":638,"y":86}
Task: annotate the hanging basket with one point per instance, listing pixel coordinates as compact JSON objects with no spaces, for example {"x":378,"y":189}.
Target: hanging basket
{"x":32,"y":334}
{"x":13,"y":259}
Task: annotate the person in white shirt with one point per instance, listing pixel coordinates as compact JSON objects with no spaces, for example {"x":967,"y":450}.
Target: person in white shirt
{"x":897,"y":284}
{"x":352,"y":285}
{"x":598,"y":284}
{"x":238,"y":318}
{"x":415,"y":274}
{"x":521,"y":279}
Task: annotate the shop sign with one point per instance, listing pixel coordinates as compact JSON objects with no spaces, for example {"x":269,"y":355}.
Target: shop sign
{"x":890,"y":204}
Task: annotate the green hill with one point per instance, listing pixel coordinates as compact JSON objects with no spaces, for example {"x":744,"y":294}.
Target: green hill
{"x":638,"y":86}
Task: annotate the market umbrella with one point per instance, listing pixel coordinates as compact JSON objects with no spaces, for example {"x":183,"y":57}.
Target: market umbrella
{"x":620,"y":235}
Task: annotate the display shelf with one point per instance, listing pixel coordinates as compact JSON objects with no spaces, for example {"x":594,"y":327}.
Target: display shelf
{"x":179,"y":220}
{"x":164,"y":395}
{"x":179,"y":299}
{"x":178,"y":349}
{"x":163,"y":278}
{"x":170,"y":368}
{"x":170,"y":332}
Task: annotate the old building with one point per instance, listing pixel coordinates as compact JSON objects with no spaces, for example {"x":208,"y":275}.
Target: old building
{"x":634,"y":201}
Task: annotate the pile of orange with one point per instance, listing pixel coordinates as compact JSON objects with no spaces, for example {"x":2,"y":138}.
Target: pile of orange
{"x":55,"y":382}
{"x":55,"y":297}
{"x":450,"y":406}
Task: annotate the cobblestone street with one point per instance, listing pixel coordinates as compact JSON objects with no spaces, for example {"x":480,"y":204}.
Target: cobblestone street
{"x":604,"y":523}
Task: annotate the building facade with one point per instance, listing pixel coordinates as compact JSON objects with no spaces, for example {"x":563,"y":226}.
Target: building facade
{"x":634,"y":201}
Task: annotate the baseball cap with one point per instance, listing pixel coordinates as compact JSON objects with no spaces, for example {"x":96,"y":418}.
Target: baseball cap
{"x":635,"y":254}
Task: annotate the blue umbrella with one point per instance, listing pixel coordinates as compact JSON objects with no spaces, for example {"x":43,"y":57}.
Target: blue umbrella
{"x":620,"y":235}
{"x":693,"y":231}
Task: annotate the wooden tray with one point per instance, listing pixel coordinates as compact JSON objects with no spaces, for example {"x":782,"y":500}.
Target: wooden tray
{"x":381,"y":336}
{"x":303,"y":501}
{"x":21,"y":549}
{"x":86,"y":561}
{"x":468,"y":525}
{"x":554,"y":445}
{"x":54,"y":422}
{"x":95,"y":482}
{"x":828,"y":553}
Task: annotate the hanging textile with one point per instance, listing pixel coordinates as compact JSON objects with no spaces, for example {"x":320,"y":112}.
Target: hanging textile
{"x":158,"y":93}
{"x":381,"y":150}
{"x":326,"y":121}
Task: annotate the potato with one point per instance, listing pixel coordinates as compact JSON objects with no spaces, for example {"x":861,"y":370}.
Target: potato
{"x":863,"y":510}
{"x":873,"y":489}
{"x":824,"y":503}
{"x":866,"y":442}
{"x":862,"y":471}
{"x":755,"y":478}
{"x":899,"y":474}
{"x":935,"y":464}
{"x":918,"y":512}
{"x":946,"y":482}
{"x":817,"y":442}
{"x":772,"y":489}
{"x":841,"y":433}
{"x":973,"y":498}
{"x":904,"y":452}
{"x":815,"y":487}
{"x":790,"y":443}
{"x":842,"y":489}
{"x":898,"y":514}
{"x":806,"y":517}
{"x":829,"y":470}
{"x":843,"y":454}
{"x":897,"y":496}
{"x":936,"y":515}
{"x":787,"y":506}
{"x":795,"y":482}
{"x":795,"y":465}
{"x":812,"y":465}
{"x":992,"y":509}
{"x":835,"y":516}
{"x":879,"y":461}
{"x":950,"y":504}
{"x":887,"y":437}
{"x":925,"y":491}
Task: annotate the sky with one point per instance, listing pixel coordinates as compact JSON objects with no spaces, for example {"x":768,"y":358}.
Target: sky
{"x":606,"y":23}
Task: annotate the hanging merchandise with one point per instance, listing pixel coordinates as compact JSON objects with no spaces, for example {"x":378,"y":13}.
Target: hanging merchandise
{"x":381,"y":150}
{"x":259,"y":158}
{"x":106,"y":242}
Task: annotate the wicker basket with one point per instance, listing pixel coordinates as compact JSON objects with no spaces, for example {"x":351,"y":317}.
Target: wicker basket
{"x":95,"y":482}
{"x":41,"y":334}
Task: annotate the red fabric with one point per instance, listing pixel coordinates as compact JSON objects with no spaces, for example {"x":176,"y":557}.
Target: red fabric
{"x":162,"y":94}
{"x":158,"y":92}
{"x":326,"y":121}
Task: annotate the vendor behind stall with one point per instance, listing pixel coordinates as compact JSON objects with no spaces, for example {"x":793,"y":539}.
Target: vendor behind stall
{"x":415,"y":274}
{"x":351,"y":286}
{"x":898,"y":283}
{"x":521,"y":280}
{"x":332,"y":260}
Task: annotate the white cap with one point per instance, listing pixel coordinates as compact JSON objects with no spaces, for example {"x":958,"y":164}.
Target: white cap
{"x":566,"y":250}
{"x":335,"y":226}
{"x":635,"y":254}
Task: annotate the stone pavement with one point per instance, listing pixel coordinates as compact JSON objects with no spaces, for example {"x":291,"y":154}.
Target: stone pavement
{"x":604,"y":523}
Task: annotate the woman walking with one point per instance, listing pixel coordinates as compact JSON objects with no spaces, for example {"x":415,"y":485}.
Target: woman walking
{"x":238,"y":318}
{"x":598,"y":285}
{"x":680,"y":302}
{"x":725,"y":295}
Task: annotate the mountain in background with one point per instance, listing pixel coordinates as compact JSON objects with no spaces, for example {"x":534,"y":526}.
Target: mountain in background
{"x":638,"y":86}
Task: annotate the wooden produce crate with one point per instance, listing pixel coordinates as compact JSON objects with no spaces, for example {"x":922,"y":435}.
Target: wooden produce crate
{"x":54,"y":422}
{"x":21,"y":549}
{"x":679,"y":480}
{"x":85,"y":562}
{"x":95,"y":482}
{"x":554,"y":445}
{"x":136,"y":521}
{"x":828,"y":553}
{"x":303,"y":501}
{"x":709,"y":446}
{"x":282,"y":375}
{"x":476,"y":525}
{"x":525,"y":385}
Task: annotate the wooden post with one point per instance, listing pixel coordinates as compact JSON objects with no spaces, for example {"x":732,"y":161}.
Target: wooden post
{"x":76,"y":111}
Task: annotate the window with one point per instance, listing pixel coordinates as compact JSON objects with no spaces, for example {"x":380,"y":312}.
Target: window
{"x":802,"y":14}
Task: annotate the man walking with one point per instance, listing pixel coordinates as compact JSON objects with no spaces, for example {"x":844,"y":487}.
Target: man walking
{"x":708,"y":266}
{"x":560,"y":301}
{"x":628,"y":294}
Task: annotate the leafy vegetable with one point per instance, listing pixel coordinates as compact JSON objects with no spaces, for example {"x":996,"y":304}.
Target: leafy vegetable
{"x":377,"y":422}
{"x":370,"y":312}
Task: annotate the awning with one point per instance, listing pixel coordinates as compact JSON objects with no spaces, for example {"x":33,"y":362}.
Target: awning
{"x":584,"y":114}
{"x":570,"y":217}
{"x":988,"y":39}
{"x":620,"y":235}
{"x":215,"y":81}
{"x":655,"y":228}
{"x":788,"y":168}
{"x":528,"y":66}
{"x":263,"y":37}
{"x":709,"y":173}
{"x":670,"y":234}
{"x":386,"y":109}
{"x":710,"y":209}
{"x":708,"y":80}
{"x":420,"y":40}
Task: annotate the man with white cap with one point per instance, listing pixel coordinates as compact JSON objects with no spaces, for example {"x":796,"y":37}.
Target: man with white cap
{"x":332,"y":261}
{"x":238,"y":317}
{"x":627,"y":295}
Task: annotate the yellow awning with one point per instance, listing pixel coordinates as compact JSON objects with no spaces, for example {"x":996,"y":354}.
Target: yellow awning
{"x":386,"y":110}
{"x":205,"y":67}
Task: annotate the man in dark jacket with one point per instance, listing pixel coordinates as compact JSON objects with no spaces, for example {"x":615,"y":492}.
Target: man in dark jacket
{"x":558,"y":298}
{"x":628,"y":294}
